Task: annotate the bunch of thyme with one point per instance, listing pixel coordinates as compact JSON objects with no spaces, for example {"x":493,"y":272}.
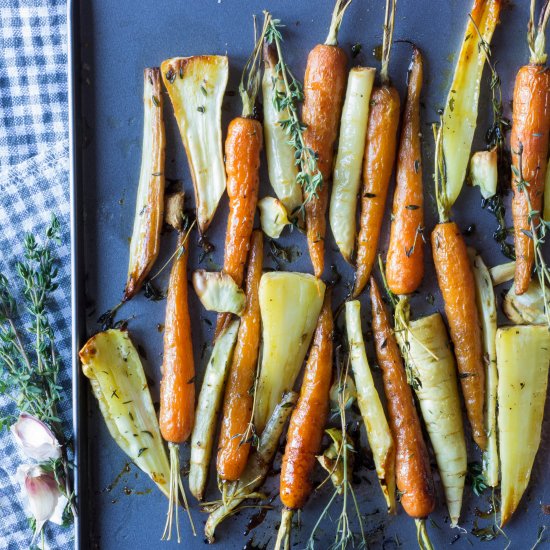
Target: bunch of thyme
{"x":287,"y":94}
{"x":29,"y":371}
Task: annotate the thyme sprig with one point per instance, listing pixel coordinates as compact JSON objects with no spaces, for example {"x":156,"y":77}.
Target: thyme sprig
{"x":496,"y":138}
{"x":344,"y":532}
{"x":287,"y":94}
{"x":30,"y":367}
{"x":537,"y":232}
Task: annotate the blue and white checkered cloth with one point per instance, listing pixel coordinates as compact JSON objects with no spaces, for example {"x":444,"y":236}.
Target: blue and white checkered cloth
{"x":34,"y":183}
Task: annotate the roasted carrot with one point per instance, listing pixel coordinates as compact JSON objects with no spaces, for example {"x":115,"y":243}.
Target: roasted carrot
{"x":177,"y":388}
{"x":242,"y":163}
{"x":405,"y":261}
{"x":307,"y":424}
{"x":234,"y":445}
{"x":413,"y":472}
{"x":324,"y":89}
{"x":529,"y":146}
{"x":378,"y":160}
{"x":457,"y":285}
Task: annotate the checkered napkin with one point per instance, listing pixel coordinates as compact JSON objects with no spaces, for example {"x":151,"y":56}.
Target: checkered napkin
{"x":33,"y":185}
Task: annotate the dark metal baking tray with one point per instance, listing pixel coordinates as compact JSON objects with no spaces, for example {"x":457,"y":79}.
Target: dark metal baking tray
{"x":110,"y":44}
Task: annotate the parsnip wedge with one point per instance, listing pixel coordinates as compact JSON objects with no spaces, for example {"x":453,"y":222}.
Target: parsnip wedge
{"x":484,"y":171}
{"x":145,"y":243}
{"x":460,"y":114}
{"x":378,"y":430}
{"x":281,"y":163}
{"x":208,"y":406}
{"x":349,"y":159}
{"x":523,"y":356}
{"x":112,"y":363}
{"x":196,"y":86}
{"x":486,"y":306}
{"x":502,"y":273}
{"x":433,"y":365}
{"x":290,"y":304}
{"x":526,"y":308}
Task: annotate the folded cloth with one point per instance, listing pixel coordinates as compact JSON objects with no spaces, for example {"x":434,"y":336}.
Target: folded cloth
{"x":33,"y":185}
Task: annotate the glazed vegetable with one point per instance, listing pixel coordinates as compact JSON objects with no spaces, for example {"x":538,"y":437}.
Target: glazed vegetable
{"x":378,"y":430}
{"x":208,"y":405}
{"x":349,"y":158}
{"x":196,"y":86}
{"x":405,"y":260}
{"x":307,"y":423}
{"x":236,"y":427}
{"x":112,"y":363}
{"x":177,"y":387}
{"x":457,"y":285}
{"x":290,"y":304}
{"x":460,"y":114}
{"x":526,"y":308}
{"x":145,"y":243}
{"x":523,"y":356}
{"x":431,"y":360}
{"x":486,"y":305}
{"x":324,"y":89}
{"x":502,"y":273}
{"x":279,"y":152}
{"x":378,"y":160}
{"x":484,"y":171}
{"x":529,"y":146}
{"x":256,"y":469}
{"x":413,"y":472}
{"x":273,"y":217}
{"x":218,"y":291}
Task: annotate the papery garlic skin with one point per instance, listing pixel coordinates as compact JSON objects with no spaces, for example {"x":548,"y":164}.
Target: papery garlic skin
{"x":35,"y":439}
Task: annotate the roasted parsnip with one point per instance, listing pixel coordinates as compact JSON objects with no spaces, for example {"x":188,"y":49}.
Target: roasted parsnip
{"x":428,"y":353}
{"x":486,"y":306}
{"x":523,"y":356}
{"x":290,"y":304}
{"x":196,"y":86}
{"x":349,"y":158}
{"x":145,"y":243}
{"x":460,"y":114}
{"x":112,"y":363}
{"x":281,"y":164}
{"x":208,"y":406}
{"x":526,"y":308}
{"x":378,"y":430}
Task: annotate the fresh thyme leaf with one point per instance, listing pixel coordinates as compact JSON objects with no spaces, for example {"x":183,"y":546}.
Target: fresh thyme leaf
{"x":356,"y":50}
{"x":474,"y":476}
{"x":152,"y":292}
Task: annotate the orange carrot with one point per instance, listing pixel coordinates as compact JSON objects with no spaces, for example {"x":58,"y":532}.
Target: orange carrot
{"x":457,"y":285}
{"x":378,"y":161}
{"x":243,"y":145}
{"x":413,"y":472}
{"x":405,"y":261}
{"x":307,"y":422}
{"x":324,"y":89}
{"x":529,"y":146}
{"x":177,"y":388}
{"x":237,"y":409}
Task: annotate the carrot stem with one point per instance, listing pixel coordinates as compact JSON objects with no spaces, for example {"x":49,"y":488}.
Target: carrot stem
{"x":536,"y":33}
{"x":337,"y":15}
{"x":424,"y":542}
{"x":389,"y":20}
{"x":285,"y":530}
